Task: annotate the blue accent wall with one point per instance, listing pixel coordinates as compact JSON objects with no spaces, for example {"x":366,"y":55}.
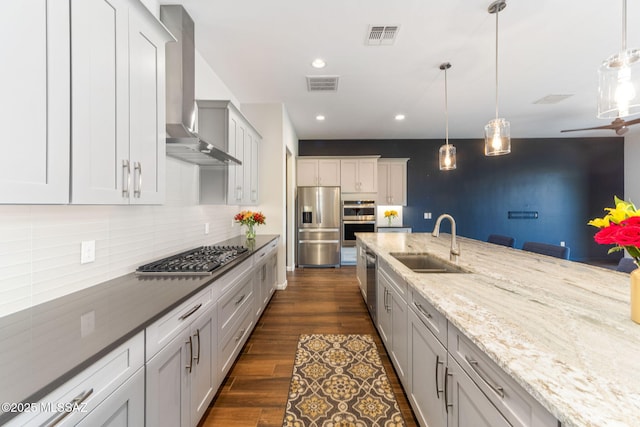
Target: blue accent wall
{"x":567,"y":181}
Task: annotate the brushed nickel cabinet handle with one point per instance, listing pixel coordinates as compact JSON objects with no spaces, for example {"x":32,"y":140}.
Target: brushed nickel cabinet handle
{"x":190,"y":365}
{"x":126,"y":173}
{"x":57,"y":418}
{"x":137,"y":166}
{"x":240,"y":299}
{"x":446,"y":389}
{"x":438,"y":362}
{"x":190,"y":312}
{"x":197,"y":358}
{"x":422,"y":310}
{"x":483,"y":376}
{"x":241,"y":334}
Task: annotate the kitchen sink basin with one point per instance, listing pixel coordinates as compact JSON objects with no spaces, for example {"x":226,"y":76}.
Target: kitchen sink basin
{"x":426,"y":263}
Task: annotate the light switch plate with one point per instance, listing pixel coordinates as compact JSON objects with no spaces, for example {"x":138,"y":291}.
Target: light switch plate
{"x":88,"y":251}
{"x":206,"y":228}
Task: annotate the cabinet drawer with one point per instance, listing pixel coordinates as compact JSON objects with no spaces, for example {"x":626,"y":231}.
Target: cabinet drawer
{"x":430,"y":317}
{"x":163,"y":330}
{"x":229,"y":280}
{"x":394,"y":278}
{"x":88,"y":389}
{"x":262,"y":253}
{"x":513,"y":401}
{"x":229,"y":347}
{"x":233,"y":303}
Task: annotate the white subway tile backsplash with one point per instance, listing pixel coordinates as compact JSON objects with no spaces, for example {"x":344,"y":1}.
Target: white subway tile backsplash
{"x":40,"y":245}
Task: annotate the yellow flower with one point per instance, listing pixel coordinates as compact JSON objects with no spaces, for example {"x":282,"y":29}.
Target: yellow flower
{"x":390,"y":213}
{"x":622,"y":211}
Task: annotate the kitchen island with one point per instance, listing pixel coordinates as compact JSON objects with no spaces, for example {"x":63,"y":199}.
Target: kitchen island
{"x":560,"y":329}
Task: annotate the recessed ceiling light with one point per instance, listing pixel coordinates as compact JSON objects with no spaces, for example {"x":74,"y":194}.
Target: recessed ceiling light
{"x":399,"y":117}
{"x":319,"y":117}
{"x":318,"y":63}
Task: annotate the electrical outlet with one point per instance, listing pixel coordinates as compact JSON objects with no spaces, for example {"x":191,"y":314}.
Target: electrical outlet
{"x":427,"y":215}
{"x":562,"y":243}
{"x":87,"y":323}
{"x":233,"y":223}
{"x":87,"y":251}
{"x":206,"y":228}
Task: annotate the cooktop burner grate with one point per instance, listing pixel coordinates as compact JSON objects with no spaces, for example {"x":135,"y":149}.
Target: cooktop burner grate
{"x":200,"y":261}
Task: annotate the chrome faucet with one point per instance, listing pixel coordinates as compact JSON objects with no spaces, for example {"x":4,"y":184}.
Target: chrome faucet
{"x":455,"y":250}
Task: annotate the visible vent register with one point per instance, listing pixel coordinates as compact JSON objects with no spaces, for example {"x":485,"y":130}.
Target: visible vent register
{"x":381,"y":35}
{"x":322,"y":83}
{"x":201,"y":261}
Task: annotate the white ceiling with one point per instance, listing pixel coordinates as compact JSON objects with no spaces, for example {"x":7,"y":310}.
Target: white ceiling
{"x":263,"y":50}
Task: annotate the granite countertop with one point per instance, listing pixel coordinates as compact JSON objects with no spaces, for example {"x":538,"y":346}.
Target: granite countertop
{"x":42,"y":347}
{"x":561,"y":329}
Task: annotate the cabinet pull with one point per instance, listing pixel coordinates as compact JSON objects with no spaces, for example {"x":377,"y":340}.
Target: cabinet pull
{"x":474,"y":365}
{"x":126,"y":173}
{"x":197,"y":358}
{"x":241,"y":334}
{"x":240,"y":299}
{"x":57,"y":418}
{"x":438,"y":362}
{"x":446,"y":389}
{"x":137,"y":166}
{"x":190,"y":312}
{"x":422,"y":310}
{"x":190,"y":365}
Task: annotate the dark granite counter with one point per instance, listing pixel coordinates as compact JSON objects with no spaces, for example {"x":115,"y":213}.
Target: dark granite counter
{"x":42,"y":347}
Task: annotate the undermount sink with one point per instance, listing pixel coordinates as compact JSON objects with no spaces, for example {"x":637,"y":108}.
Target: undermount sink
{"x":426,"y":263}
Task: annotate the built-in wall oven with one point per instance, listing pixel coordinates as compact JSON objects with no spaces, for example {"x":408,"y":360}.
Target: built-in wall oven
{"x":358,"y":216}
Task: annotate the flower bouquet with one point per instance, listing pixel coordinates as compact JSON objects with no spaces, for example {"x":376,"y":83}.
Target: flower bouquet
{"x":250,"y":219}
{"x":390,"y":214}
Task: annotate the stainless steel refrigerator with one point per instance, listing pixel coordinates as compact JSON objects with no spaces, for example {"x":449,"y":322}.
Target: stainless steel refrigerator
{"x":318,"y":221}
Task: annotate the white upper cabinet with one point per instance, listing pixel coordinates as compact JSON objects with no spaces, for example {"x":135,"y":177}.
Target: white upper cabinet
{"x":318,"y":172}
{"x":34,"y":109}
{"x":392,"y":182}
{"x":118,"y":98}
{"x":359,"y":175}
{"x":221,"y":124}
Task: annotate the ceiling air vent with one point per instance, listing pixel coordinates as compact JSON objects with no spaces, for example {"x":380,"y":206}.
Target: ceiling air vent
{"x":322,"y":83}
{"x":378,"y":35}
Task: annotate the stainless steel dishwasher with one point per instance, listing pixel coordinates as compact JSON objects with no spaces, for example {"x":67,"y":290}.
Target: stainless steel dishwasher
{"x":372,"y":284}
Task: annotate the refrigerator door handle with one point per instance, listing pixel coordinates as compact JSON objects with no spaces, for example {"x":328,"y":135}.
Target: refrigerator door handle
{"x":318,"y":207}
{"x":318,"y":241}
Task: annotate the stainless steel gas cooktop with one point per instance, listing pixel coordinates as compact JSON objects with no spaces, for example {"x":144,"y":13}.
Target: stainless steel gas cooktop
{"x":201,"y":261}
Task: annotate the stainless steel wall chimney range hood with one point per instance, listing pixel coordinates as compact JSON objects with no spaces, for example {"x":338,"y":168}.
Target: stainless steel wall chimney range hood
{"x":182,"y":142}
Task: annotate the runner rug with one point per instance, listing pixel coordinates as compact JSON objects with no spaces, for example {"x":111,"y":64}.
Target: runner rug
{"x":339,"y":381}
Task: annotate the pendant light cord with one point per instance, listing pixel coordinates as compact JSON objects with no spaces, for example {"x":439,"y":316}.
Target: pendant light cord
{"x":624,"y":25}
{"x":497,"y":13}
{"x":446,"y":108}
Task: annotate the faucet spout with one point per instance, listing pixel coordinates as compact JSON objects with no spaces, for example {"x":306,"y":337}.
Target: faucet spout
{"x":455,"y":249}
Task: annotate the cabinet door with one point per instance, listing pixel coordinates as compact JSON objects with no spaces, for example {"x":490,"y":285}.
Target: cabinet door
{"x":349,"y":175}
{"x":204,"y":382}
{"x":255,"y":170}
{"x":123,"y":408}
{"x":368,"y":175}
{"x":146,"y":109}
{"x":468,"y":405}
{"x":35,"y":106}
{"x":307,"y":172}
{"x":168,"y":384}
{"x":236,"y":193}
{"x":399,"y":333}
{"x":383,"y":311}
{"x":100,"y":102}
{"x":425,"y":374}
{"x":329,"y":172}
{"x":397,"y":183}
{"x":383,"y":183}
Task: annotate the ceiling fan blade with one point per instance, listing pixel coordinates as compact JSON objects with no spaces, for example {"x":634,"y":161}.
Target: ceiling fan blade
{"x":592,"y":128}
{"x":631,"y":122}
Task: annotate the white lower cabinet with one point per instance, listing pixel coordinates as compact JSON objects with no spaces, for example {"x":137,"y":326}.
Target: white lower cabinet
{"x":106,"y":393}
{"x":392,"y":321}
{"x":182,"y":377}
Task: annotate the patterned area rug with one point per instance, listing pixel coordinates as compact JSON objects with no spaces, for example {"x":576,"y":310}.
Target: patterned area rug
{"x":339,"y":381}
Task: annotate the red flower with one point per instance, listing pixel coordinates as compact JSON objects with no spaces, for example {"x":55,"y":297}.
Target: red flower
{"x":628,"y":235}
{"x":634,"y":220}
{"x":607,"y":235}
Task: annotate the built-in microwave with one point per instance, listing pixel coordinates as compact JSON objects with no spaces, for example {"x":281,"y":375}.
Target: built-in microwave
{"x":358,"y":216}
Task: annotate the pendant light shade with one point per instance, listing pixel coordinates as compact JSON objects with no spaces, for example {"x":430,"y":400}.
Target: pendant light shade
{"x":497,"y":133}
{"x":447,"y":152}
{"x":619,"y":80}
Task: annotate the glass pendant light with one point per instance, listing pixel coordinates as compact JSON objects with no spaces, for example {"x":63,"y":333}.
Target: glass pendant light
{"x":447,"y":152}
{"x":497,"y":133}
{"x":619,"y":75}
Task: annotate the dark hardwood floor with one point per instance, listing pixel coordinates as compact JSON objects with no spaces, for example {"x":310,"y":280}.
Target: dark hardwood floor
{"x":315,"y":301}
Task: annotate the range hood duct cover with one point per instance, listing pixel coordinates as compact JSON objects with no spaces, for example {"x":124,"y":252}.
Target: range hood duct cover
{"x":182,"y":142}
